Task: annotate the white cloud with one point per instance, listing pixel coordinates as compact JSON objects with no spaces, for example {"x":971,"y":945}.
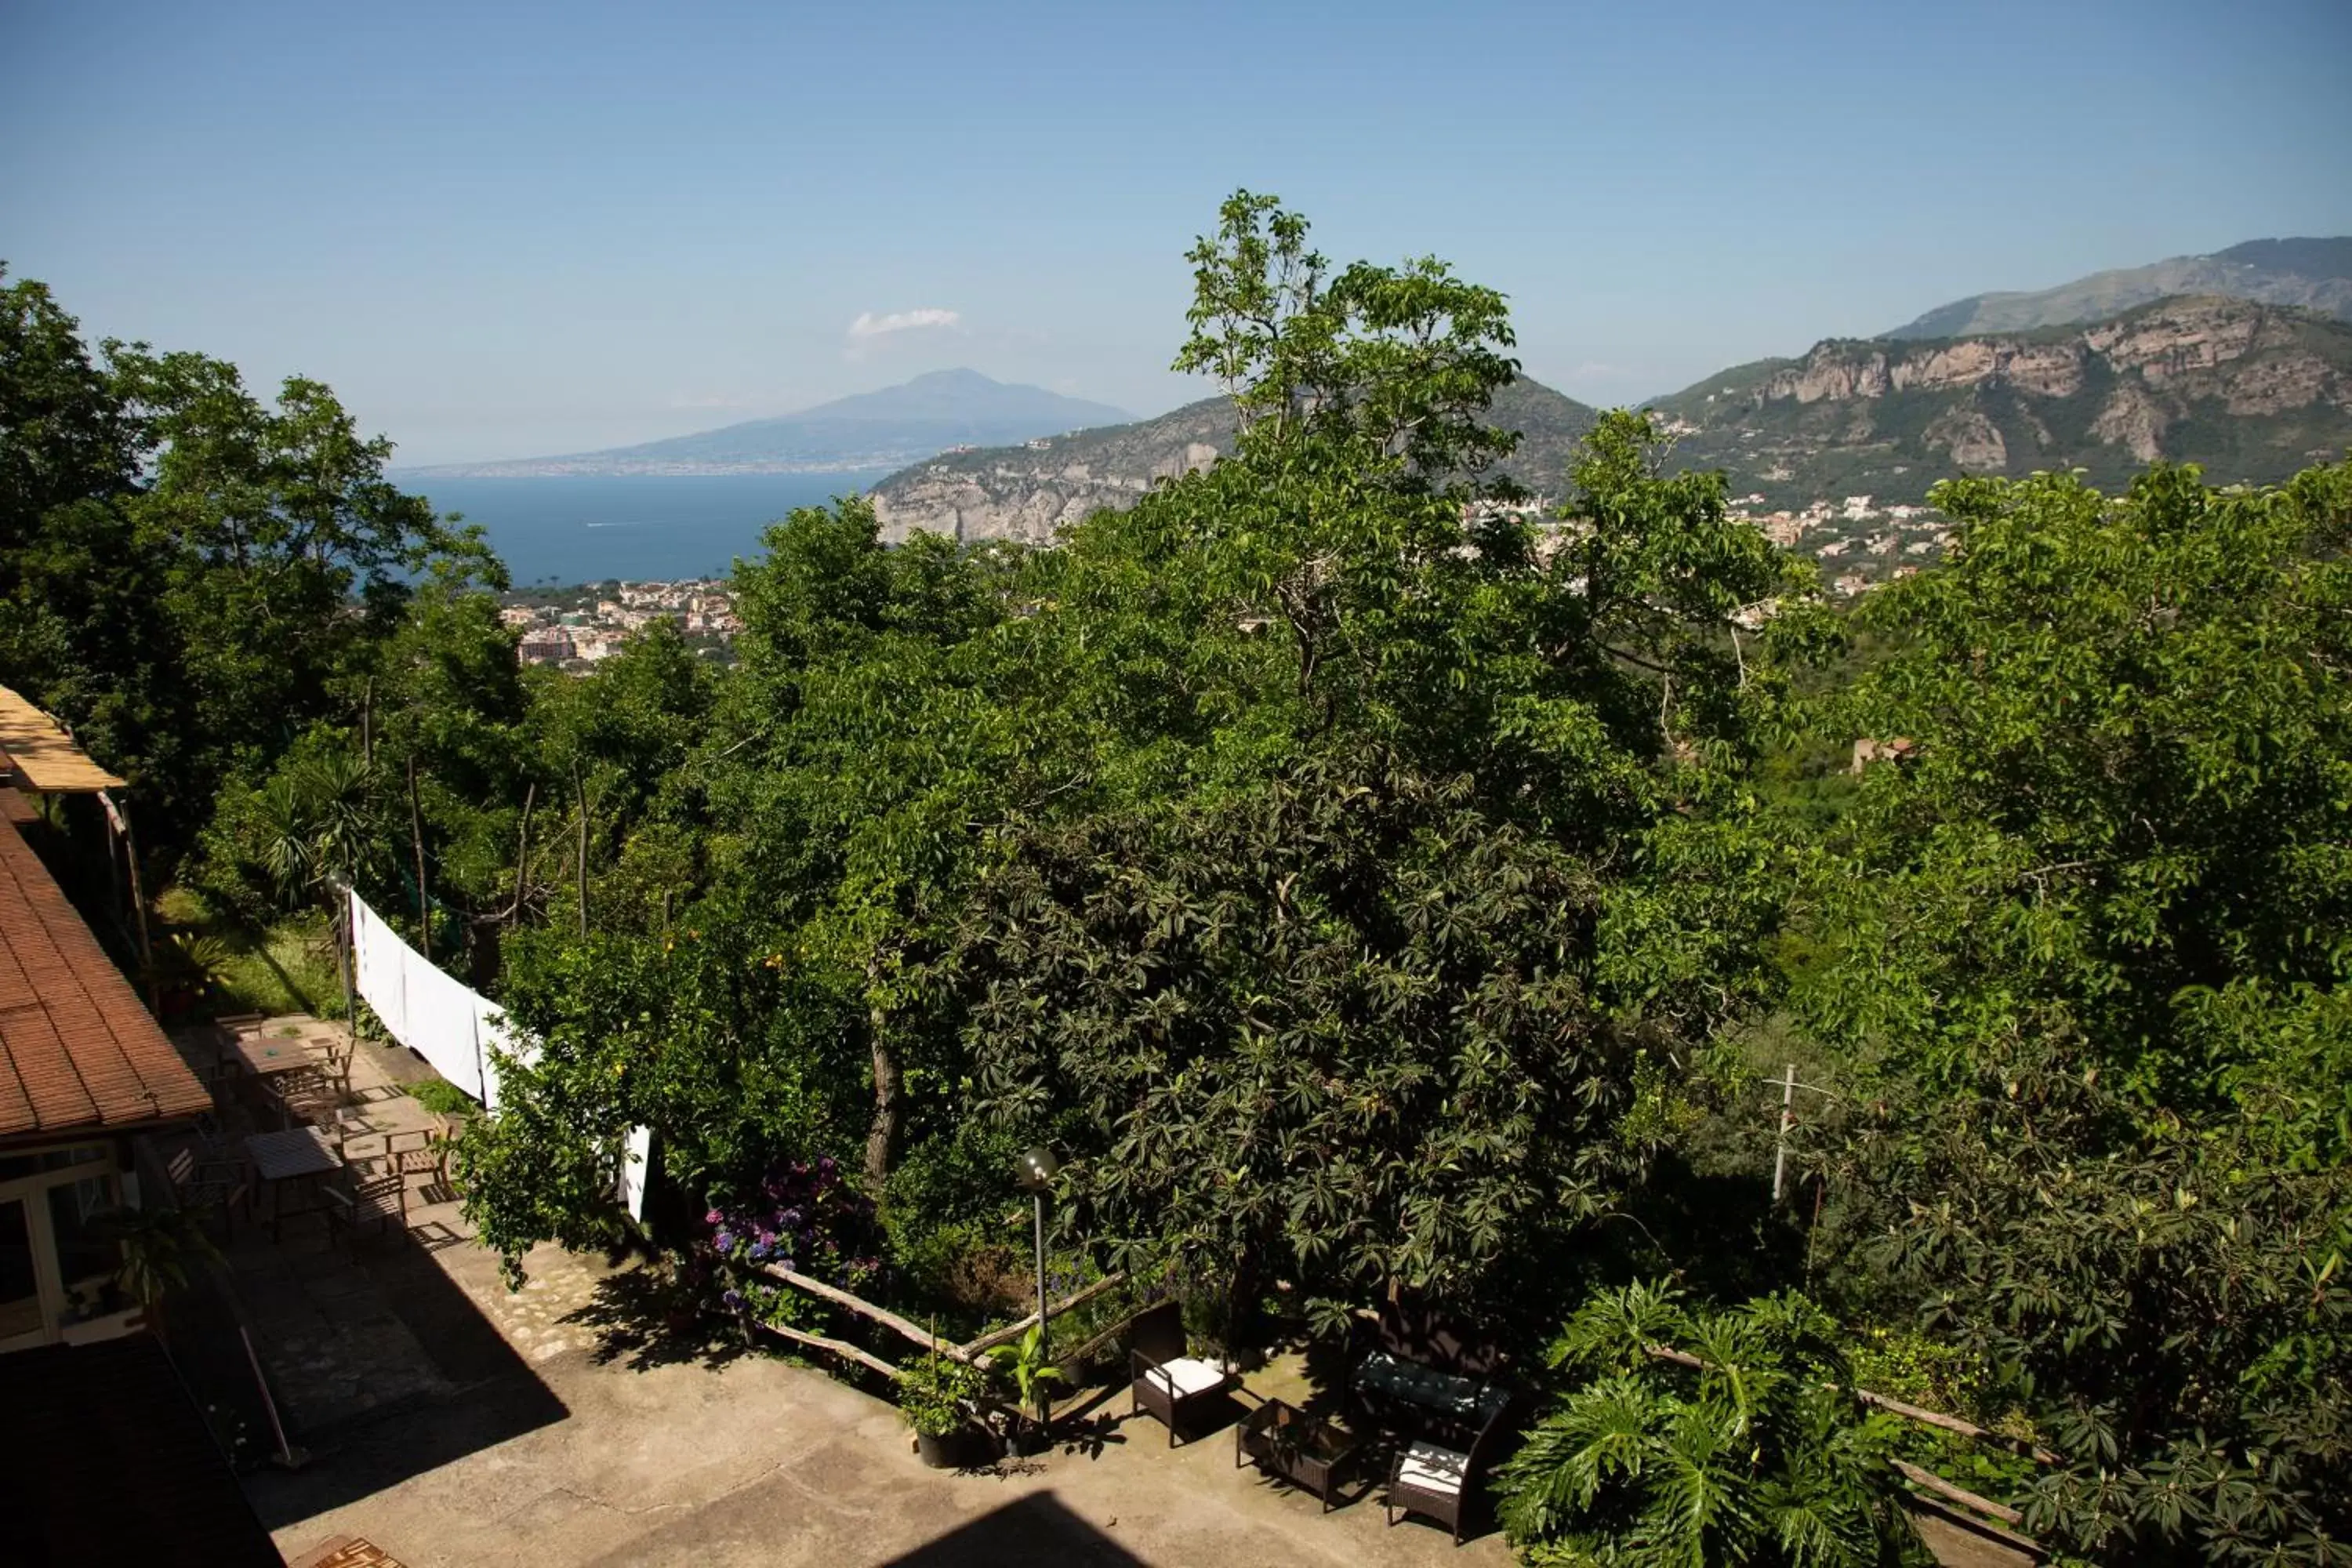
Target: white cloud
{"x":869,"y":325}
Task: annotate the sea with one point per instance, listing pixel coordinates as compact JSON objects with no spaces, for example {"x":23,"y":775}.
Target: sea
{"x":638,"y":528}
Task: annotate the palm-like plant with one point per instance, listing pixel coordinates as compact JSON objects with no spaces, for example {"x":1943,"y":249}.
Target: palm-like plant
{"x":161,"y":1248}
{"x":317,"y":822}
{"x":1025,"y":1360}
{"x":1758,"y":1454}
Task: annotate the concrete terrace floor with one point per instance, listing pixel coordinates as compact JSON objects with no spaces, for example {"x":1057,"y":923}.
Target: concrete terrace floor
{"x":658,"y":1454}
{"x":453,"y":1422}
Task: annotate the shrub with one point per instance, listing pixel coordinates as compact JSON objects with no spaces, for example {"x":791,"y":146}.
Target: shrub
{"x":804,"y":1217}
{"x":442,"y":1098}
{"x":1761,"y":1453}
{"x":932,"y":1394}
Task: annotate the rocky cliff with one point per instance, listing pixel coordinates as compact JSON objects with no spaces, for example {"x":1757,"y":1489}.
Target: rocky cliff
{"x":2252,"y":392}
{"x":1031,"y":491}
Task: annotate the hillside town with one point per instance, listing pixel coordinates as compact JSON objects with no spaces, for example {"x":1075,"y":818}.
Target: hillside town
{"x":1859,"y":544}
{"x":576,"y":628}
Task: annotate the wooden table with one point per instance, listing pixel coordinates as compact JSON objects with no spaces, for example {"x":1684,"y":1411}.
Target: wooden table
{"x":266,"y":1054}
{"x":297,"y":1154}
{"x":370,"y":1129}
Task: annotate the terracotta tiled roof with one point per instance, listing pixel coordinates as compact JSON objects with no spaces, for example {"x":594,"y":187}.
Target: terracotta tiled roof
{"x":78,"y":1053}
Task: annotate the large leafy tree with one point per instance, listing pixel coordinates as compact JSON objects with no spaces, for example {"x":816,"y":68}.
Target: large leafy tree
{"x":2085,"y":951}
{"x":1390,"y":921}
{"x":192,"y":576}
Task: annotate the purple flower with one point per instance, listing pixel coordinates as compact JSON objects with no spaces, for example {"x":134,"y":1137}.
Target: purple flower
{"x":759,"y":1251}
{"x":732,"y":1300}
{"x":724,"y":1241}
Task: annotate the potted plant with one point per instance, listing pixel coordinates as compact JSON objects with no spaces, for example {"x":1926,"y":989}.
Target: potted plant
{"x":933,"y":1399}
{"x":1032,"y":1376}
{"x":161,"y":1248}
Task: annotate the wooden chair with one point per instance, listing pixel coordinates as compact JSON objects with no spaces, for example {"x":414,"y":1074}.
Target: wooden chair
{"x":334,"y":1055}
{"x":1164,"y":1378}
{"x":208,"y":1183}
{"x":381,"y":1201}
{"x":305,"y":1094}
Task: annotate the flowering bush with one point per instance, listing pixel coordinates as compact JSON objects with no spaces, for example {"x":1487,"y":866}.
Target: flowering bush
{"x":805,"y":1219}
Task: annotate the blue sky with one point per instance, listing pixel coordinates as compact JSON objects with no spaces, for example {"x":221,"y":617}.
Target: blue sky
{"x":499,"y":229}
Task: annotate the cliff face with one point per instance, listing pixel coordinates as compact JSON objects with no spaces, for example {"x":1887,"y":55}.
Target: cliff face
{"x":1032,"y":492}
{"x":2252,"y":392}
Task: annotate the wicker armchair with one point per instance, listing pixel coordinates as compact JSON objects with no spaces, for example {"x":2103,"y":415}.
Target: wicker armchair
{"x":1433,"y":1477}
{"x":1167,"y":1382}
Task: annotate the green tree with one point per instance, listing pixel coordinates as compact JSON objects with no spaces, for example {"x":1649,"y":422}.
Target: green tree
{"x":1385,"y":938}
{"x":2084,"y":954}
{"x":192,"y":578}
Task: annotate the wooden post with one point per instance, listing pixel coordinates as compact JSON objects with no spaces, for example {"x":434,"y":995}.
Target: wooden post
{"x":120,"y":816}
{"x":347,"y":951}
{"x":522,"y":853}
{"x":1787,"y":1119}
{"x":579,"y":795}
{"x":417,"y":835}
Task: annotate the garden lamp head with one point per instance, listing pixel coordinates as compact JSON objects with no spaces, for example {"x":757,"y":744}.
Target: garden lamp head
{"x":1036,"y":1169}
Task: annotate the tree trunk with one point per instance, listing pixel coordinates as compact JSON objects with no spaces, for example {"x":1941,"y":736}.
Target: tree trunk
{"x":882,"y":1134}
{"x":416,"y":833}
{"x":579,"y":793}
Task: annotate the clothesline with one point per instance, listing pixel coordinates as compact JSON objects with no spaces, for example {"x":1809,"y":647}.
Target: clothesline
{"x":460,"y":1032}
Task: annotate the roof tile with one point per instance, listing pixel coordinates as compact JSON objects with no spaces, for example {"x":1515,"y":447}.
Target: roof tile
{"x":78,"y":1052}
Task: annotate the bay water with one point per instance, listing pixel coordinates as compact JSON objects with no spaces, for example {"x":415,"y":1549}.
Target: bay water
{"x":587,"y":529}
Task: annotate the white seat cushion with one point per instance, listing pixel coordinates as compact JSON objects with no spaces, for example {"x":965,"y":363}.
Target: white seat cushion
{"x":1187,"y":1374}
{"x":1432,"y":1468}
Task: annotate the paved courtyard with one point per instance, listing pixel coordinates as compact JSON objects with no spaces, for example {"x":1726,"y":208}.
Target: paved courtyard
{"x":596,"y":1445}
{"x":453,"y":1422}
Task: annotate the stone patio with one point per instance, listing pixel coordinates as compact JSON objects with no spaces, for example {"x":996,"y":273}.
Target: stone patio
{"x":451,"y":1422}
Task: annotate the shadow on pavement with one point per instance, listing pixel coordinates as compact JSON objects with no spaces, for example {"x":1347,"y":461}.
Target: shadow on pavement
{"x":630,"y":1312}
{"x":1034,"y":1530}
{"x":497,"y":1398}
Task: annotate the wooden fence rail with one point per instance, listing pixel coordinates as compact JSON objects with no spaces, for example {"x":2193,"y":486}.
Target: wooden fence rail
{"x":970,"y":1352}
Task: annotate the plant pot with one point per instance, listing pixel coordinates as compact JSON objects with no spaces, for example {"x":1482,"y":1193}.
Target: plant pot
{"x":949,"y":1452}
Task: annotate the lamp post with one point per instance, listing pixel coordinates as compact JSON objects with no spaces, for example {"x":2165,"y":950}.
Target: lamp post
{"x":1036,"y":1169}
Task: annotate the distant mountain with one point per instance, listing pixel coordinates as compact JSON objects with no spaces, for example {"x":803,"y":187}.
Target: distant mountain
{"x":879,"y":430}
{"x":2316,"y":274}
{"x":2252,"y":392}
{"x":1031,"y":491}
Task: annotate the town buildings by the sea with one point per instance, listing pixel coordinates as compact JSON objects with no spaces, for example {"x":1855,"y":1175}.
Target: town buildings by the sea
{"x":576,"y":626}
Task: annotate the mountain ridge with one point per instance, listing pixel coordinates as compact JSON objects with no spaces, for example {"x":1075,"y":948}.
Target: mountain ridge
{"x":1030,"y":492}
{"x":2252,"y":392}
{"x":2311,"y":273}
{"x":880,"y":429}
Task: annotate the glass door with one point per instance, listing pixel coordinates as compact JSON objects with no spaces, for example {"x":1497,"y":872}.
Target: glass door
{"x":22,"y":1321}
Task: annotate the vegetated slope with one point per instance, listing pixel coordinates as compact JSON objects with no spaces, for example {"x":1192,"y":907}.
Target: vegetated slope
{"x":1031,"y":491}
{"x":878,"y":429}
{"x":2251,"y":391}
{"x":2316,"y":274}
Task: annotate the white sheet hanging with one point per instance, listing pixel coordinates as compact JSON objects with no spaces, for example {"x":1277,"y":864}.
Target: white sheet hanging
{"x":455,"y":1027}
